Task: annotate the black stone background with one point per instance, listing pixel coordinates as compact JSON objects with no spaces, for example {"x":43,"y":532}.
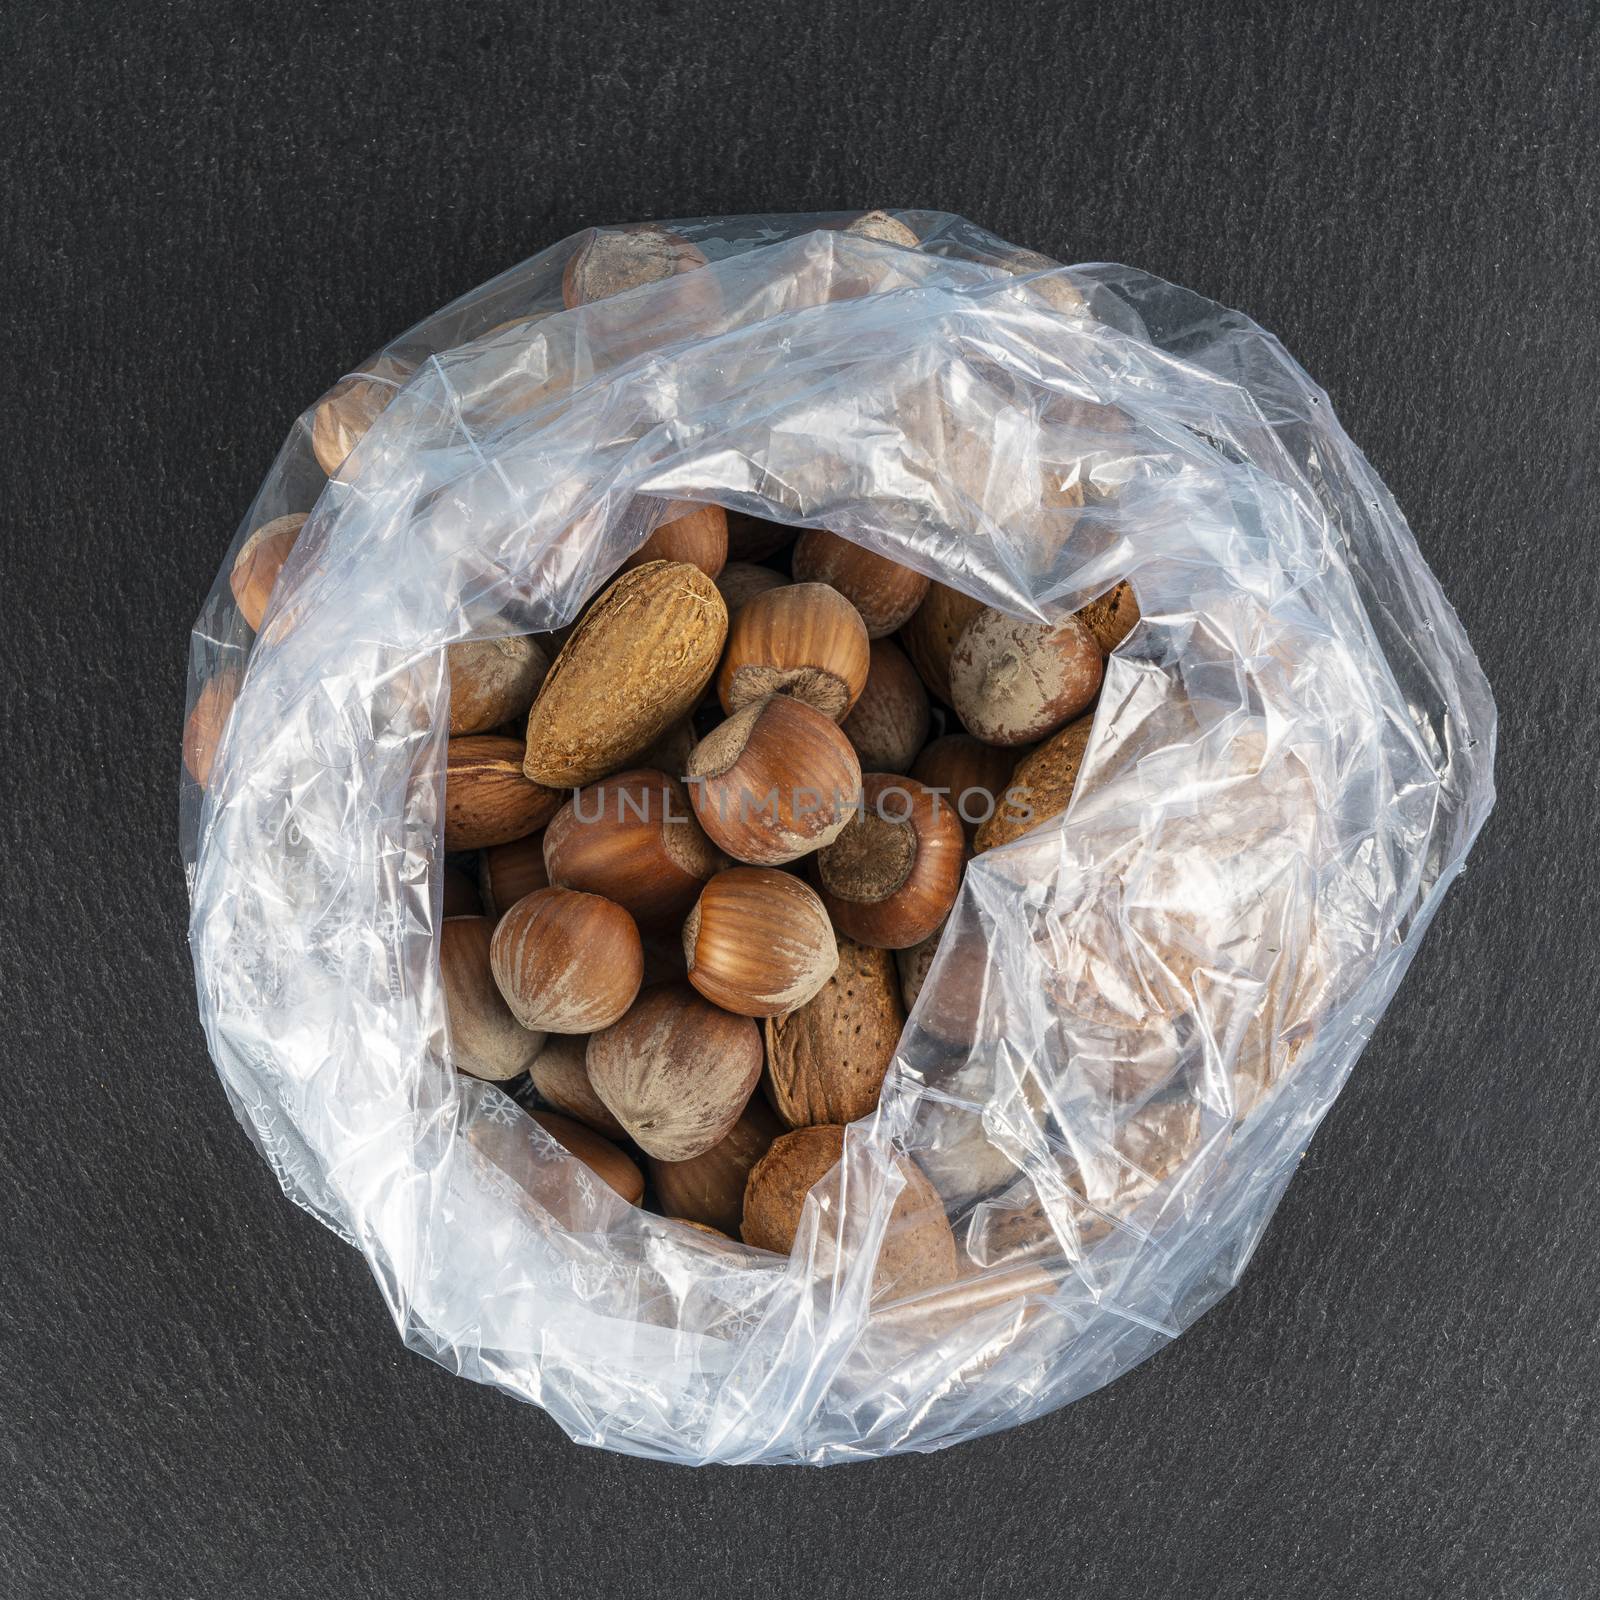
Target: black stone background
{"x":209,"y":212}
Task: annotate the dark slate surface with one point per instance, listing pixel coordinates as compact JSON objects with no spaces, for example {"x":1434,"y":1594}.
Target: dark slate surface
{"x":209,"y":212}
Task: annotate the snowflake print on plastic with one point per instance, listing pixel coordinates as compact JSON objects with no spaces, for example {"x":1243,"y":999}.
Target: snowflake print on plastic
{"x":500,"y":1111}
{"x":584,"y":1184}
{"x":391,"y":924}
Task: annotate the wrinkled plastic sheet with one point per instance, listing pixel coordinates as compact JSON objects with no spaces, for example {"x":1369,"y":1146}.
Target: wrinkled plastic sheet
{"x":1139,"y":1013}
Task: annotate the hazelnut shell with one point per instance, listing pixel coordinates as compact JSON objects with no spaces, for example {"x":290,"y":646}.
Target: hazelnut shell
{"x":567,"y":962}
{"x":758,"y":942}
{"x":930,"y":635}
{"x":486,"y":1041}
{"x":804,"y":640}
{"x":599,"y":1155}
{"x":260,"y":560}
{"x":888,"y":725}
{"x":1012,"y":681}
{"x":884,"y":592}
{"x":561,"y":1076}
{"x":492,"y":681}
{"x":708,"y":1189}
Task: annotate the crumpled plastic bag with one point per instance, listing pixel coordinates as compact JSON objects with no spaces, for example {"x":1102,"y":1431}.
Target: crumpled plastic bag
{"x":1139,"y":1012}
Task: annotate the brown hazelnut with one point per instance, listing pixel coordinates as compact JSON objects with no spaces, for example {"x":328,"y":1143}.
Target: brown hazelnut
{"x":492,"y":681}
{"x":634,"y":839}
{"x":610,"y":261}
{"x":567,"y":962}
{"x":806,"y":641}
{"x":693,"y":533}
{"x":669,"y":753}
{"x":971,"y":776}
{"x":775,"y":781}
{"x":708,"y":1189}
{"x":486,"y":1041}
{"x":913,"y":965}
{"x":1111,"y":618}
{"x":1012,"y":682}
{"x":883,"y":227}
{"x":892,"y":875}
{"x":754,"y":538}
{"x":931,"y":635}
{"x":258,"y":563}
{"x":889,"y":723}
{"x":601,"y":1157}
{"x":740,"y":581}
{"x":561,"y":1076}
{"x":675,"y":1071}
{"x":346,"y":413}
{"x":506,"y":872}
{"x":204,"y":726}
{"x":758,"y":942}
{"x":826,"y":1060}
{"x":918,"y":1250}
{"x":884,"y":592}
{"x":487,"y":799}
{"x":1040,"y":788}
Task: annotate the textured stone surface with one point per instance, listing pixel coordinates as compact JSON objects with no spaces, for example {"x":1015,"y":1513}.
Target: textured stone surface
{"x":209,"y":219}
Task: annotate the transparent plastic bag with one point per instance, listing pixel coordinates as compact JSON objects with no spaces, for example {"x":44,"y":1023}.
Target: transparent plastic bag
{"x":1138,"y":1013}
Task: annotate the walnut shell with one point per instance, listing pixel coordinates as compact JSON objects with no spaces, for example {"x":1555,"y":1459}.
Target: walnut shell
{"x":884,"y":592}
{"x":888,"y":725}
{"x":258,"y":563}
{"x":492,"y":681}
{"x":826,"y":1060}
{"x":918,"y":1249}
{"x":486,"y":1041}
{"x":637,"y":663}
{"x":1012,"y":681}
{"x":675,"y":1071}
{"x":708,"y":1189}
{"x":487,"y":798}
{"x":567,"y":962}
{"x":931,"y":635}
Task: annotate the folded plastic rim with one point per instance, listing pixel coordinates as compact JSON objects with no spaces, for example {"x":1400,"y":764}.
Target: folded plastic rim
{"x":1139,"y":1013}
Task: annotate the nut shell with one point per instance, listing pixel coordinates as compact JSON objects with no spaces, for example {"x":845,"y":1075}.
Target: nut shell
{"x":884,"y":592}
{"x":1040,"y":788}
{"x":758,"y":942}
{"x":347,"y":411}
{"x":506,"y":872}
{"x":889,"y":723}
{"x":675,"y":1071}
{"x":637,"y":662}
{"x":1012,"y":682}
{"x":693,"y":533}
{"x":634,"y":839}
{"x":1111,"y":618}
{"x":881,"y":226}
{"x":740,"y":581}
{"x":492,"y":681}
{"x":560,"y":1075}
{"x":567,"y":962}
{"x":599,"y":1155}
{"x":826,"y":1060}
{"x":486,"y":1041}
{"x":708,"y":1189}
{"x":258,"y":563}
{"x":931,"y":635}
{"x":775,"y":781}
{"x":918,"y":1250}
{"x":487,"y":798}
{"x":610,"y":261}
{"x":971,"y":775}
{"x":203,"y":727}
{"x":892,"y":875}
{"x":804,"y":640}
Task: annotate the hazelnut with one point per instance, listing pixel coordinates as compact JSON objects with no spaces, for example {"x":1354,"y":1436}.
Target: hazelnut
{"x":610,"y":261}
{"x":600,"y":1156}
{"x":775,"y":781}
{"x":208,"y":718}
{"x":486,"y":1041}
{"x":487,"y":800}
{"x":931,"y":635}
{"x":1056,"y":290}
{"x":889,"y":723}
{"x":675,"y":1071}
{"x":560,"y":1075}
{"x":669,"y":752}
{"x":884,"y":592}
{"x":913,"y":965}
{"x":635,"y":664}
{"x":892,"y":875}
{"x":1012,"y":682}
{"x":1111,"y":618}
{"x":918,"y":1250}
{"x":506,"y":872}
{"x":806,"y":641}
{"x":459,"y":894}
{"x":258,"y":563}
{"x":708,"y":1189}
{"x":971,"y":776}
{"x":758,"y":942}
{"x":740,"y":581}
{"x":567,"y":962}
{"x":883,"y":227}
{"x":826,"y":1060}
{"x":693,"y":533}
{"x":1040,"y":788}
{"x":492,"y":681}
{"x":632,"y":838}
{"x":754,"y":538}
{"x":346,"y":413}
